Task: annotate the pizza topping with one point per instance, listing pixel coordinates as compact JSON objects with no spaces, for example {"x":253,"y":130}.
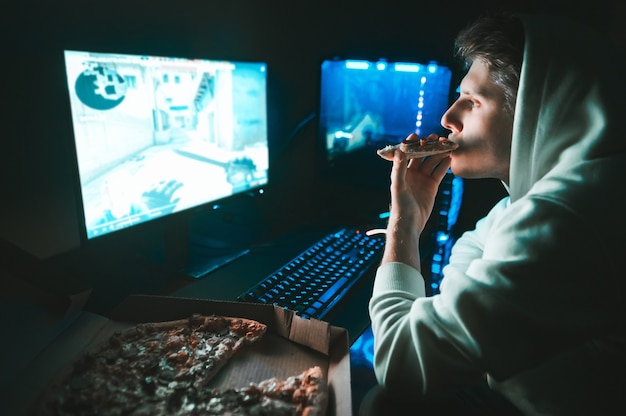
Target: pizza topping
{"x":426,"y":141}
{"x":430,"y":142}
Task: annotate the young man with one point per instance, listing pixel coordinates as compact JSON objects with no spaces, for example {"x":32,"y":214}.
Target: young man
{"x":533,"y":299}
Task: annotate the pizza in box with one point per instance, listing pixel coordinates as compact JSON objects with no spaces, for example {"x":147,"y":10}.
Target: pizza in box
{"x":165,"y":368}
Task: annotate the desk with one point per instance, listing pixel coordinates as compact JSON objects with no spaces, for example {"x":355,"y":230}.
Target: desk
{"x":351,"y":312}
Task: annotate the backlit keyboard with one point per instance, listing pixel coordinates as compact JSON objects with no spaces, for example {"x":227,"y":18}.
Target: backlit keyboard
{"x":314,"y":281}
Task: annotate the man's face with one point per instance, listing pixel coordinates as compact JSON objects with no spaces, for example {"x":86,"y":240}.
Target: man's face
{"x":478,"y":123}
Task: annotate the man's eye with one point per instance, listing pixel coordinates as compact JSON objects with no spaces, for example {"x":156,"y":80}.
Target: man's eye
{"x":470,"y":103}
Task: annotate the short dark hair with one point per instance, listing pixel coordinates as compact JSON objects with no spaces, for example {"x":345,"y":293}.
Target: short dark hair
{"x":498,"y":41}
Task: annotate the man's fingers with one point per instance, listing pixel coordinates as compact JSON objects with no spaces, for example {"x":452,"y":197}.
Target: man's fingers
{"x":399,"y":167}
{"x":441,"y":169}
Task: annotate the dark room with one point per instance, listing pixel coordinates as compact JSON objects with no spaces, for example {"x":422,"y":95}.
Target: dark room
{"x":168,"y":159}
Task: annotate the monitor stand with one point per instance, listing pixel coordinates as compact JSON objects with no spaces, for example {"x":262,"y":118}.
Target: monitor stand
{"x":202,"y":259}
{"x":196,"y":255}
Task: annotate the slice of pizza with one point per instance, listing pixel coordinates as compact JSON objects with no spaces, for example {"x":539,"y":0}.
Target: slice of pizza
{"x":305,"y":394}
{"x":162,"y":366}
{"x":203,"y":345}
{"x":432,"y":145}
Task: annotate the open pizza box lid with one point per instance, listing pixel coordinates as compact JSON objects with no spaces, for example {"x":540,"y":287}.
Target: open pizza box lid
{"x":291,"y":345}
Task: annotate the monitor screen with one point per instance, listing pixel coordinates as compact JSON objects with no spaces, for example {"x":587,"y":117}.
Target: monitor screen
{"x":375,"y":103}
{"x":158,"y":135}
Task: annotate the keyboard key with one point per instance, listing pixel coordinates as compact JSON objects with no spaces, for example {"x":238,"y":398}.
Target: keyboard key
{"x":333,"y":290}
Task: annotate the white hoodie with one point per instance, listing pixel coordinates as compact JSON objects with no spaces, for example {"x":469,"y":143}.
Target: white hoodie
{"x":535,"y":296}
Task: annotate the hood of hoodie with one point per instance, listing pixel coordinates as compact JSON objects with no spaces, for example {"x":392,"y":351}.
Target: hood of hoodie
{"x":566,"y":121}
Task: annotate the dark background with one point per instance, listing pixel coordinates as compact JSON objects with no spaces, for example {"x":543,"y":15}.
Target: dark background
{"x":39,"y":211}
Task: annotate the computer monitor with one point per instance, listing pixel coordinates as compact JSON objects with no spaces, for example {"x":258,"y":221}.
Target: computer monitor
{"x":367,"y":104}
{"x":155,"y":136}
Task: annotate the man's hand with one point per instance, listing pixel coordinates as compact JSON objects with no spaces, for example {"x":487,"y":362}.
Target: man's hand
{"x":414,"y":186}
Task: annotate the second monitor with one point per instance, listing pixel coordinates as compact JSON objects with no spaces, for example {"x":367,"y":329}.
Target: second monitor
{"x":374,"y":103}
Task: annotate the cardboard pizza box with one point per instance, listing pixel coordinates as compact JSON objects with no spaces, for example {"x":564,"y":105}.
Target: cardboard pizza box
{"x":33,"y":313}
{"x":290,"y":345}
{"x":26,"y":278}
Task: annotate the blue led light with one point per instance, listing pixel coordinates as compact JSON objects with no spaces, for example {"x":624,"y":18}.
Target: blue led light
{"x":353,"y":64}
{"x":455,"y":201}
{"x":406,"y":67}
{"x":363,"y":349}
